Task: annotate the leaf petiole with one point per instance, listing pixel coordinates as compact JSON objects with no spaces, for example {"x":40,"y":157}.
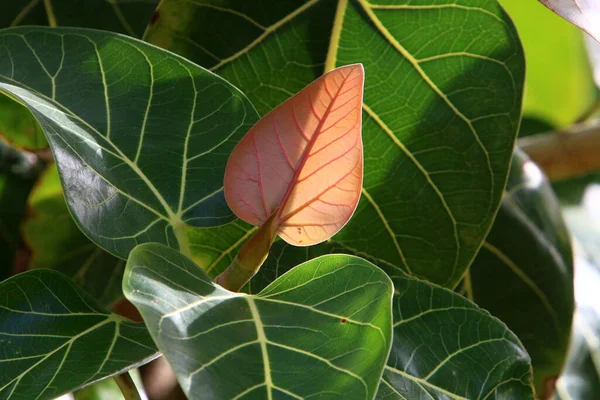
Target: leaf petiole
{"x":127,"y":387}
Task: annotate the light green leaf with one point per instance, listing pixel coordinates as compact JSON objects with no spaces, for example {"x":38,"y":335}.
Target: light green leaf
{"x":554,"y":48}
{"x":441,"y":106}
{"x":123,"y":16}
{"x":141,"y":136}
{"x":18,"y":127}
{"x":524,"y":272}
{"x":56,"y":242}
{"x":55,"y":338}
{"x":322,"y":330}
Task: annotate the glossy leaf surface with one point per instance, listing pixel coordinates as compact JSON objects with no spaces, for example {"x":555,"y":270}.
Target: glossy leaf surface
{"x":524,"y":273}
{"x":323,"y":329}
{"x":48,"y":328}
{"x":140,"y":135}
{"x":303,"y":161}
{"x":123,"y":16}
{"x":583,"y":13}
{"x":440,"y":113}
{"x":56,"y":242}
{"x":444,"y":347}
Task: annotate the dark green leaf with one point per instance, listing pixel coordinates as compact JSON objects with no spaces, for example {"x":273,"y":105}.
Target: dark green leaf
{"x":56,"y":242}
{"x":322,"y":330}
{"x":124,"y":16}
{"x":524,"y":272}
{"x":141,"y":136}
{"x":441,"y":106}
{"x":55,"y":338}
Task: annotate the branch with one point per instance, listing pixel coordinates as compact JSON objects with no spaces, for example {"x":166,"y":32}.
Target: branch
{"x":127,"y":386}
{"x":565,"y":154}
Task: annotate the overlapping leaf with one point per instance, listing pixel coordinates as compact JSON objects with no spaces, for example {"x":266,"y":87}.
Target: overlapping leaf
{"x":303,"y":162}
{"x":323,"y":329}
{"x":56,"y":242}
{"x":441,"y":106}
{"x":524,"y":272}
{"x":140,"y":136}
{"x":54,"y":338}
{"x":583,"y":13}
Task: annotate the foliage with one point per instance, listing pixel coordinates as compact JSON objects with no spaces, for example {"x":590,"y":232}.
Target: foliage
{"x":372,"y":236}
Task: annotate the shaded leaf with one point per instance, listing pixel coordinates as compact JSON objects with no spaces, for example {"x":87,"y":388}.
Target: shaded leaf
{"x":524,"y":271}
{"x":48,"y":327}
{"x":56,"y":242}
{"x":323,"y":329}
{"x":583,"y":13}
{"x":140,"y":136}
{"x":18,"y":127}
{"x":441,"y":106}
{"x":303,"y":161}
{"x":123,"y":16}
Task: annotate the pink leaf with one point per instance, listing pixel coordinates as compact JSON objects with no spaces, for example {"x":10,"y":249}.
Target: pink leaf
{"x":583,"y":13}
{"x":303,"y":161}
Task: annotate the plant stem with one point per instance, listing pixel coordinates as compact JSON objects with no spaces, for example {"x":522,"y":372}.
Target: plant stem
{"x":251,"y":257}
{"x":182,"y":240}
{"x":127,"y":386}
{"x":565,"y":154}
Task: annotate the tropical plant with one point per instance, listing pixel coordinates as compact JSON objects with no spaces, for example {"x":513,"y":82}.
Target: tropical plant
{"x":301,"y":199}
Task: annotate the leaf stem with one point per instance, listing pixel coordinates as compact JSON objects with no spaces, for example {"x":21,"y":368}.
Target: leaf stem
{"x":182,"y":239}
{"x":127,"y":386}
{"x":336,"y":32}
{"x":50,"y":14}
{"x":251,"y":257}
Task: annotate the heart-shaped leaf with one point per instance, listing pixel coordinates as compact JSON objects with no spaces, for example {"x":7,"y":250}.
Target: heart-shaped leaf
{"x":55,"y":338}
{"x":322,"y":330}
{"x":303,"y":161}
{"x":56,"y":242}
{"x":441,"y":106}
{"x":583,"y":13}
{"x":524,"y":272}
{"x":140,"y":135}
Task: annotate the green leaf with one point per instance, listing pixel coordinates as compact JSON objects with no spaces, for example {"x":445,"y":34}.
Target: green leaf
{"x":56,"y":242}
{"x":441,"y":106}
{"x":124,"y":16}
{"x":19,"y":127}
{"x":444,"y":347}
{"x":554,"y":48}
{"x":55,"y":338}
{"x":322,"y":330}
{"x":524,"y":272}
{"x":141,"y":136}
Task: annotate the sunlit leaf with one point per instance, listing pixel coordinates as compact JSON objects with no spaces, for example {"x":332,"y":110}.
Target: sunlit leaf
{"x":303,"y":161}
{"x":140,"y":136}
{"x":440,"y":114}
{"x":55,"y":338}
{"x":583,"y":13}
{"x":322,"y":330}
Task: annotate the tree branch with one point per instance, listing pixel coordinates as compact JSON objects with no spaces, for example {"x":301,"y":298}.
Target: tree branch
{"x":565,"y":154}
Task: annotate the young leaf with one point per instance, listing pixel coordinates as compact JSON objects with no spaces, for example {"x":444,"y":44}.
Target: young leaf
{"x":302,"y":162}
{"x":55,"y":338}
{"x":322,"y":330}
{"x":140,"y":136}
{"x":583,"y":13}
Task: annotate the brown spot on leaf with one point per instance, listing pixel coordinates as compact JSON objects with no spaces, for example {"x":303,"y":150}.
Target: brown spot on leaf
{"x":154,"y":18}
